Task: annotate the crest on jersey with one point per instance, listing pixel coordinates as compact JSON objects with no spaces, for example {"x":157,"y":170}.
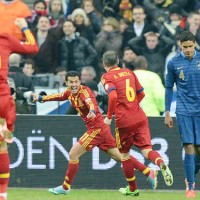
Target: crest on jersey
{"x":106,"y":87}
{"x":198,"y":64}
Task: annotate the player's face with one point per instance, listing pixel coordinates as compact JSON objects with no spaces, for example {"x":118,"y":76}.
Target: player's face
{"x":73,"y":84}
{"x":188,"y":48}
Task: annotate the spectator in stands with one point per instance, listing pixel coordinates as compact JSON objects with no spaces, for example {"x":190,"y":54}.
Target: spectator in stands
{"x":123,"y":25}
{"x":23,"y":84}
{"x":155,"y":51}
{"x":74,"y":51}
{"x":43,"y":26}
{"x":9,"y":11}
{"x":93,"y":15}
{"x":138,"y":27}
{"x":169,"y":26}
{"x":56,"y":9}
{"x":29,"y":67}
{"x":159,"y":10}
{"x":46,"y":58}
{"x":109,"y":38}
{"x":82,"y":24}
{"x":153,"y":103}
{"x":192,"y":24}
{"x":88,"y":73}
{"x":39,"y":9}
{"x":129,"y":57}
{"x":61,"y":72}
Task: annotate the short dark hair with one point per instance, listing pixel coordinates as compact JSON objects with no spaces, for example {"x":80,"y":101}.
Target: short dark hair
{"x":40,"y":1}
{"x":110,"y":58}
{"x":72,"y":74}
{"x":186,"y":36}
{"x":30,"y":61}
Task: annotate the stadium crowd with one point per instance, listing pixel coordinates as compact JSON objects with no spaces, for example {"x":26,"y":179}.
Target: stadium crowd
{"x":73,"y":35}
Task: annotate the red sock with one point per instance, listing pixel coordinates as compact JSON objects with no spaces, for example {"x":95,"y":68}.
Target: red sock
{"x":4,"y":172}
{"x":155,"y":157}
{"x":141,"y":167}
{"x":128,"y":169}
{"x":70,"y":174}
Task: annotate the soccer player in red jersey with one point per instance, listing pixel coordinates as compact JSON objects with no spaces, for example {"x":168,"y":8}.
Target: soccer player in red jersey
{"x":98,"y":133}
{"x":124,"y":95}
{"x":9,"y":44}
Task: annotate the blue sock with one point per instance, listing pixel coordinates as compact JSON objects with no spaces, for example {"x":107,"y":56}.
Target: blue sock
{"x":189,"y":166}
{"x":197,"y":164}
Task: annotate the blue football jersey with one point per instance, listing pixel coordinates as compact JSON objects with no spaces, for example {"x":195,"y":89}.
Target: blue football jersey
{"x":185,"y":74}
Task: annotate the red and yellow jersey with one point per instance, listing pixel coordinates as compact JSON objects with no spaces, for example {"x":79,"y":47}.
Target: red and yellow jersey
{"x":9,"y":11}
{"x":127,"y":110}
{"x":9,"y":44}
{"x":83,"y":102}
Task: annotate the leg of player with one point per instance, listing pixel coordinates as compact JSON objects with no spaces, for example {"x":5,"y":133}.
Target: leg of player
{"x":189,"y":165}
{"x":75,"y":153}
{"x":4,"y":161}
{"x":155,"y":157}
{"x":151,"y":174}
{"x":127,"y":167}
{"x":4,"y":169}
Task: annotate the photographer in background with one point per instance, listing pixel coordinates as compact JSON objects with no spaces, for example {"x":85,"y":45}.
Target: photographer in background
{"x":23,"y":84}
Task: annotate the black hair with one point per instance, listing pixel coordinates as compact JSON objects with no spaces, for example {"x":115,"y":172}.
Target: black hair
{"x":40,"y":1}
{"x":68,"y":20}
{"x":186,"y":36}
{"x":30,"y":61}
{"x":110,"y":58}
{"x":72,"y":74}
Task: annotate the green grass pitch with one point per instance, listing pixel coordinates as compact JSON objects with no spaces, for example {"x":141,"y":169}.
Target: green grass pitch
{"x":84,"y":194}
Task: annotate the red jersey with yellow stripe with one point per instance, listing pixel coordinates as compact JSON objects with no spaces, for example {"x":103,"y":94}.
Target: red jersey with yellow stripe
{"x":83,"y":102}
{"x":9,"y":44}
{"x":127,"y":109}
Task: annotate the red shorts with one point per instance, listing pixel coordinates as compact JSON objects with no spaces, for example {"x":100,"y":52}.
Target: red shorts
{"x":137,"y":134}
{"x":8,"y":111}
{"x":100,"y":137}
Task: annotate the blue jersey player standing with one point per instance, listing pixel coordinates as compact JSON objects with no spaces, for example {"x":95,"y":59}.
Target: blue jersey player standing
{"x":184,"y":70}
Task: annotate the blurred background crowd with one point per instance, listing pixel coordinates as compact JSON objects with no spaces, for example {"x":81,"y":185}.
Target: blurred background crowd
{"x":74,"y":34}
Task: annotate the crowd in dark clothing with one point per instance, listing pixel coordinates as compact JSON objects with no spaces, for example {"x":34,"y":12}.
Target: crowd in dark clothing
{"x":75,"y":34}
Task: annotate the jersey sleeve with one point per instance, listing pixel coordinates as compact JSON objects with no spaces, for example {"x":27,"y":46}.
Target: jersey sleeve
{"x":107,"y":84}
{"x":28,"y":47}
{"x":56,"y":97}
{"x":88,"y":98}
{"x":170,"y":76}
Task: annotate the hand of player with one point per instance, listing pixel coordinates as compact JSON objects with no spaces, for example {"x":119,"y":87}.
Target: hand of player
{"x":21,"y":23}
{"x":91,"y":114}
{"x":168,"y":120}
{"x":34,"y":97}
{"x":107,"y":121}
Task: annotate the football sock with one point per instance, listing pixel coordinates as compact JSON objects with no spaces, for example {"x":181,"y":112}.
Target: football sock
{"x":141,"y":167}
{"x":189,"y":166}
{"x":70,"y":174}
{"x":197,"y":163}
{"x":4,"y":173}
{"x":128,"y":166}
{"x":155,"y":157}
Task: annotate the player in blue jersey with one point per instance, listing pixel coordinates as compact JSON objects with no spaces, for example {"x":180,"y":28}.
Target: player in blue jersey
{"x":184,"y":70}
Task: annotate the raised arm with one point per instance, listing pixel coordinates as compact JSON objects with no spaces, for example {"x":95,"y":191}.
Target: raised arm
{"x":29,"y":46}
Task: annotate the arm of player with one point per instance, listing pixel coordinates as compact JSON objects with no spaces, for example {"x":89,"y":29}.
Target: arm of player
{"x":29,"y":46}
{"x":90,"y":105}
{"x":168,"y":99}
{"x":140,"y":96}
{"x":54,"y":97}
{"x":112,"y":99}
